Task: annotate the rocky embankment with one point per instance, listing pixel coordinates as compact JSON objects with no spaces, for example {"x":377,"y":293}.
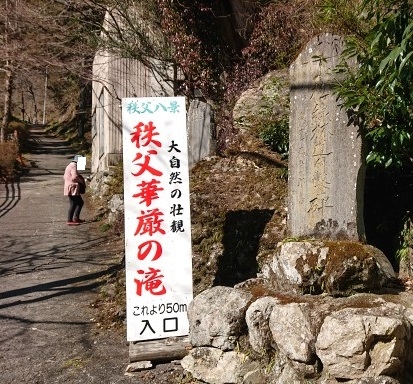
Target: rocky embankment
{"x":265,"y":331}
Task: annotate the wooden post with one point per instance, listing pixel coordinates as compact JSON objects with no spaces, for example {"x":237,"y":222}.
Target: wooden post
{"x":162,"y":350}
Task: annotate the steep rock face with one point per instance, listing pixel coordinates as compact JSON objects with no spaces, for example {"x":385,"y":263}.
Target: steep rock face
{"x":266,"y":98}
{"x":264,"y":103}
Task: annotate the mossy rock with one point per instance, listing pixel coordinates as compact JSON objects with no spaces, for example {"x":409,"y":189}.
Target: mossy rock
{"x":338,"y":268}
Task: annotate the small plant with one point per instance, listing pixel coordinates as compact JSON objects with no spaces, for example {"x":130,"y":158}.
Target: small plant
{"x":405,"y":240}
{"x":275,"y":135}
{"x":105,"y":227}
{"x":75,"y":363}
{"x":271,"y":363}
{"x":291,"y":239}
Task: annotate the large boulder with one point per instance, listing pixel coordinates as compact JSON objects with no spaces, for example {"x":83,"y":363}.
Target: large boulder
{"x":217,"y":317}
{"x":212,"y":365}
{"x":267,"y":98}
{"x":293,"y":332}
{"x":356,"y":343}
{"x":266,"y":103}
{"x":258,"y":318}
{"x":339,"y":268}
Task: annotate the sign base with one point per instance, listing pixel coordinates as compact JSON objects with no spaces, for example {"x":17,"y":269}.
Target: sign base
{"x":161,"y":350}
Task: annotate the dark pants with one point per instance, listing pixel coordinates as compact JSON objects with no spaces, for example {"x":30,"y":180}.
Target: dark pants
{"x":76,"y":204}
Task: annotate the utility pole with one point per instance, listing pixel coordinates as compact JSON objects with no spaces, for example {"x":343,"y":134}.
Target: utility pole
{"x":45,"y":97}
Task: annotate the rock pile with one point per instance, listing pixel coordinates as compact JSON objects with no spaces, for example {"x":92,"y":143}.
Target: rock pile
{"x":265,"y":330}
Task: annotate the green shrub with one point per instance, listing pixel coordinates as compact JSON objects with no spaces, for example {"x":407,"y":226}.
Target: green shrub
{"x":378,"y":91}
{"x":405,"y":240}
{"x":275,"y":135}
{"x":105,"y":227}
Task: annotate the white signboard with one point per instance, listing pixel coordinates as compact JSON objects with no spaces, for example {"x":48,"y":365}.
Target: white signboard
{"x":81,"y":163}
{"x":157,"y":217}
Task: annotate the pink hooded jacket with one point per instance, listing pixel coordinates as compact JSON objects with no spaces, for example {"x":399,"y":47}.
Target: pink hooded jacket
{"x":71,"y":178}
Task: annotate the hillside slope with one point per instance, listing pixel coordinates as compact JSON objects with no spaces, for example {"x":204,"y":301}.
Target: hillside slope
{"x":238,"y":210}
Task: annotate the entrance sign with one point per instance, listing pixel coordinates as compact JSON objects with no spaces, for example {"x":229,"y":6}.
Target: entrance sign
{"x":157,"y":217}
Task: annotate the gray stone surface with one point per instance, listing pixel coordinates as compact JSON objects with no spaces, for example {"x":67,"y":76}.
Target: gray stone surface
{"x":267,"y":99}
{"x":217,"y":317}
{"x":257,"y":318}
{"x":356,"y":343}
{"x":288,"y":376}
{"x":364,"y":338}
{"x":375,"y":380}
{"x":293,"y":332}
{"x":138,"y":366}
{"x":326,"y":166}
{"x":339,"y":268}
{"x":201,"y":132}
{"x":215,"y":366}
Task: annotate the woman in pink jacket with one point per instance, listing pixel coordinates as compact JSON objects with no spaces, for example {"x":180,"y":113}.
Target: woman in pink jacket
{"x":72,"y":179}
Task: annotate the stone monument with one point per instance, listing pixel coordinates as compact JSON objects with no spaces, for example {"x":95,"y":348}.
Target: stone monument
{"x":326,"y":162}
{"x":294,"y":322}
{"x":201,"y":132}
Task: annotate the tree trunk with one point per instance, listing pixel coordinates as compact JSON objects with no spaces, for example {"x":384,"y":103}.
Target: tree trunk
{"x":7,"y":103}
{"x":33,"y":96}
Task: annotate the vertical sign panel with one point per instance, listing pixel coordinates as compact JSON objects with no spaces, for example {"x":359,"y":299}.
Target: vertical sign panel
{"x":157,"y":217}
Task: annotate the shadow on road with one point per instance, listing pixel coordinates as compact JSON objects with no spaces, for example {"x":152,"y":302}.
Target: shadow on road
{"x":57,"y":288}
{"x":11,"y":197}
{"x":24,"y":259}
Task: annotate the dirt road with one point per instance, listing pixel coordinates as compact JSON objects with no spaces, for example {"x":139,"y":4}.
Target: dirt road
{"x":49,"y":276}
